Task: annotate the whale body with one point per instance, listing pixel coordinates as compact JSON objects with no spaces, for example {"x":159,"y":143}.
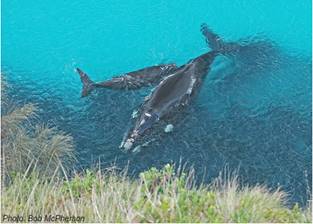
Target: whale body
{"x":148,"y":76}
{"x":176,"y":86}
{"x":174,"y":92}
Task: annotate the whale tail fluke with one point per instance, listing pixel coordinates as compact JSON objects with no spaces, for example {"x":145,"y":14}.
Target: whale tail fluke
{"x":88,"y":84}
{"x":216,"y":43}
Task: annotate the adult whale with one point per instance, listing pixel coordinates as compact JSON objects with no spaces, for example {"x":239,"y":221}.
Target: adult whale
{"x":178,"y":89}
{"x":132,"y":80}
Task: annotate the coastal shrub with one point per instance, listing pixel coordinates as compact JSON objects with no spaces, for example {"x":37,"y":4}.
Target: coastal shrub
{"x":157,"y":196}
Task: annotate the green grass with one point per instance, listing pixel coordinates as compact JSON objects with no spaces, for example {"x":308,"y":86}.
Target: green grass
{"x":34,"y":164}
{"x":156,"y":196}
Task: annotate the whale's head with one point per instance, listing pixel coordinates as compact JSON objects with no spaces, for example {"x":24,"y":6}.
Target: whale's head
{"x":145,"y":122}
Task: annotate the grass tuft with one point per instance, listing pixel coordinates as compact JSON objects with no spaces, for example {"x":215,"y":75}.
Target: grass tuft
{"x":157,"y":196}
{"x":29,"y":146}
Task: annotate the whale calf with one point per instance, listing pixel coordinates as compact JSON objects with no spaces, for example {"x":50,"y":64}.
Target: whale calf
{"x":132,"y":80}
{"x":177,"y":89}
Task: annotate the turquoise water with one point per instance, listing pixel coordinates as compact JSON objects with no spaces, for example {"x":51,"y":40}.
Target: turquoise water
{"x":252,"y":117}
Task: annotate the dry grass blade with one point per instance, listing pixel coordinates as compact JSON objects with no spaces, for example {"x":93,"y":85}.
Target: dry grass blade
{"x":24,"y":142}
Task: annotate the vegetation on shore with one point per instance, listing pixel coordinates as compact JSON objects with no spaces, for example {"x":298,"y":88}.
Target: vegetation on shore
{"x":27,"y":146}
{"x":35,"y":160}
{"x":157,"y":196}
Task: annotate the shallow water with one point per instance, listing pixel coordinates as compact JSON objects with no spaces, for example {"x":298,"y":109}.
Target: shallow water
{"x":252,"y":114}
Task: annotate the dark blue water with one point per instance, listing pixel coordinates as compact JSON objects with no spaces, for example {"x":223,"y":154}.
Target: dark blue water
{"x":252,"y":113}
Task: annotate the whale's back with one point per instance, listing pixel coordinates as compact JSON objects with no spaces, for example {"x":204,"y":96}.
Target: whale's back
{"x":171,"y":90}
